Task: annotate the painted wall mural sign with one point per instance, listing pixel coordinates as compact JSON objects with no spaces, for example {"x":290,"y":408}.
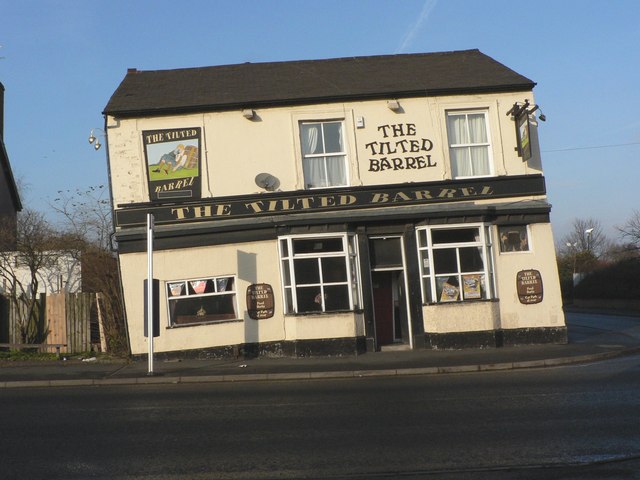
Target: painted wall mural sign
{"x":354,"y":198}
{"x":399,"y":149}
{"x":529,"y":286}
{"x":260,"y":303}
{"x":173,"y":163}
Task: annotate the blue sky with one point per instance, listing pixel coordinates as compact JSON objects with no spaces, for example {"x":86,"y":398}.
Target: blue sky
{"x":62,"y":60}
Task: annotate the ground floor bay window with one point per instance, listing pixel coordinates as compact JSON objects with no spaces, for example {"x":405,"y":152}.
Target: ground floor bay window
{"x":319,"y":273}
{"x":455,"y":263}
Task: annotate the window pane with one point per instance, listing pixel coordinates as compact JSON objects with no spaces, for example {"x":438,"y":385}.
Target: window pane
{"x":333,"y":137}
{"x":288,"y":294}
{"x":309,"y":299}
{"x":460,"y":163}
{"x":336,"y":171}
{"x":455,"y":235}
{"x":336,"y":297}
{"x":385,"y":252}
{"x":471,"y":259}
{"x":286,"y":273}
{"x":422,"y":238}
{"x":514,"y":239}
{"x":306,"y":270}
{"x":479,"y":160}
{"x":202,"y":309}
{"x":334,"y":269}
{"x":477,"y":128}
{"x":314,"y":172}
{"x":317,"y":245}
{"x":224,"y":284}
{"x":424,"y":255}
{"x":445,"y":261}
{"x":284,"y":247}
{"x":457,"y":127}
{"x":426,"y":288}
{"x":310,"y":138}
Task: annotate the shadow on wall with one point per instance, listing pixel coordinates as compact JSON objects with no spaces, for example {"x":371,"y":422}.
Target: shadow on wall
{"x":248,"y":271}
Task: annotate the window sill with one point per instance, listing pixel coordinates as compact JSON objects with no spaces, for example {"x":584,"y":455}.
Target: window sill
{"x":462,"y":302}
{"x":332,"y":312}
{"x":203,"y":323}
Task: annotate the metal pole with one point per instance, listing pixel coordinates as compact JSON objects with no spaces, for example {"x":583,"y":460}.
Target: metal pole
{"x":150,"y":289}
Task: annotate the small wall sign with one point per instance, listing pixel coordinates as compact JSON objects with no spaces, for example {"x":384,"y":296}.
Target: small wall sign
{"x":529,"y":286}
{"x":260,"y":301}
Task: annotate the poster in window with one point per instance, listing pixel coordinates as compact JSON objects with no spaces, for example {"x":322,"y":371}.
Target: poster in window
{"x":173,"y":163}
{"x":524,"y":138}
{"x":450,"y":291}
{"x":471,"y":287}
{"x":513,"y":238}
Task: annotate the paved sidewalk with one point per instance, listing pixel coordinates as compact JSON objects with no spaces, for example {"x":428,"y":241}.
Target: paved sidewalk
{"x":592,"y":337}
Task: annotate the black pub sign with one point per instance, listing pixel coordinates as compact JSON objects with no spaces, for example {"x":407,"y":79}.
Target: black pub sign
{"x":305,"y":201}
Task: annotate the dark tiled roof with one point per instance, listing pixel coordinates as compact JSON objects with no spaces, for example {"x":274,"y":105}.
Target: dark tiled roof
{"x":311,"y":81}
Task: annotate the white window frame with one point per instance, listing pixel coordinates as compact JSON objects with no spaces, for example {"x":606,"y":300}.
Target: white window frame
{"x":468,"y":145}
{"x":428,"y":274}
{"x":288,"y":277}
{"x":324,"y":155}
{"x":186,"y":294}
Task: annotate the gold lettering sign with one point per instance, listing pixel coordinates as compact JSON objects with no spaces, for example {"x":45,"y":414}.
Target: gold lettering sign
{"x":529,"y":285}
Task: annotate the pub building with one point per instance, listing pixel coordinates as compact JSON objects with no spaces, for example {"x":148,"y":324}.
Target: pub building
{"x":333,"y":207}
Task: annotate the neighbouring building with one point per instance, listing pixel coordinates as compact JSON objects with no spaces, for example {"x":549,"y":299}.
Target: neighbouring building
{"x":10,"y":203}
{"x":334,"y":206}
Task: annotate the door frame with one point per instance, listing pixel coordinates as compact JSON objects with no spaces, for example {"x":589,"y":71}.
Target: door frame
{"x":405,"y":283}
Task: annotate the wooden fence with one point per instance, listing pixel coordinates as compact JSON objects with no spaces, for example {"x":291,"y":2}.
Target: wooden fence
{"x":71,"y":319}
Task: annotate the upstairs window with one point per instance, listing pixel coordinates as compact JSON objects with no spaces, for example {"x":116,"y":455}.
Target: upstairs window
{"x":469,"y":146}
{"x":324,"y":157}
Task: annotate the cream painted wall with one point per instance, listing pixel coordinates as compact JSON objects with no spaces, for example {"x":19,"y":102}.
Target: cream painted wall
{"x":254,"y":263}
{"x":507,"y":312}
{"x":235,"y":149}
{"x":460,"y":317}
{"x":541,"y":257}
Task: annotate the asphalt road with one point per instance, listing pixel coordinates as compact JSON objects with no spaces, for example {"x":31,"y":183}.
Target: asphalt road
{"x":576,"y":422}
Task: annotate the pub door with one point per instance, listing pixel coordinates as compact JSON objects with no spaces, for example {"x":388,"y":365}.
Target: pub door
{"x":388,"y":287}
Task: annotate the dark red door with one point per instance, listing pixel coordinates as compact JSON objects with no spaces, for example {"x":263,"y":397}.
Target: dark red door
{"x":383,"y":307}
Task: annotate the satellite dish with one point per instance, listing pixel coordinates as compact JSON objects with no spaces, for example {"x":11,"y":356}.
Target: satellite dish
{"x":267,"y":181}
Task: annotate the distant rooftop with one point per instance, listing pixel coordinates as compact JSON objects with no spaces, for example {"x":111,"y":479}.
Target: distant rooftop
{"x":247,"y":85}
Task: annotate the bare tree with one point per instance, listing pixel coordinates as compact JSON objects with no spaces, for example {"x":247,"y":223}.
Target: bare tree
{"x":631,"y":230}
{"x":86,"y":215}
{"x":38,"y":250}
{"x":587,"y":236}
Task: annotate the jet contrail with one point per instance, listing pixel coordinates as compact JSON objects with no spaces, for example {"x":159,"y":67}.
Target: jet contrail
{"x":429,"y":5}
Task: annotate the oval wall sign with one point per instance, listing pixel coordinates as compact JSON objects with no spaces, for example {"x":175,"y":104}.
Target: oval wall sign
{"x":529,"y":285}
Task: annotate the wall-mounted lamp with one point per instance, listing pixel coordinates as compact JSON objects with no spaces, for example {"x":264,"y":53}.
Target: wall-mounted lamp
{"x":93,"y":140}
{"x":393,"y":105}
{"x":541,"y":115}
{"x":248,"y":113}
{"x":519,"y":109}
